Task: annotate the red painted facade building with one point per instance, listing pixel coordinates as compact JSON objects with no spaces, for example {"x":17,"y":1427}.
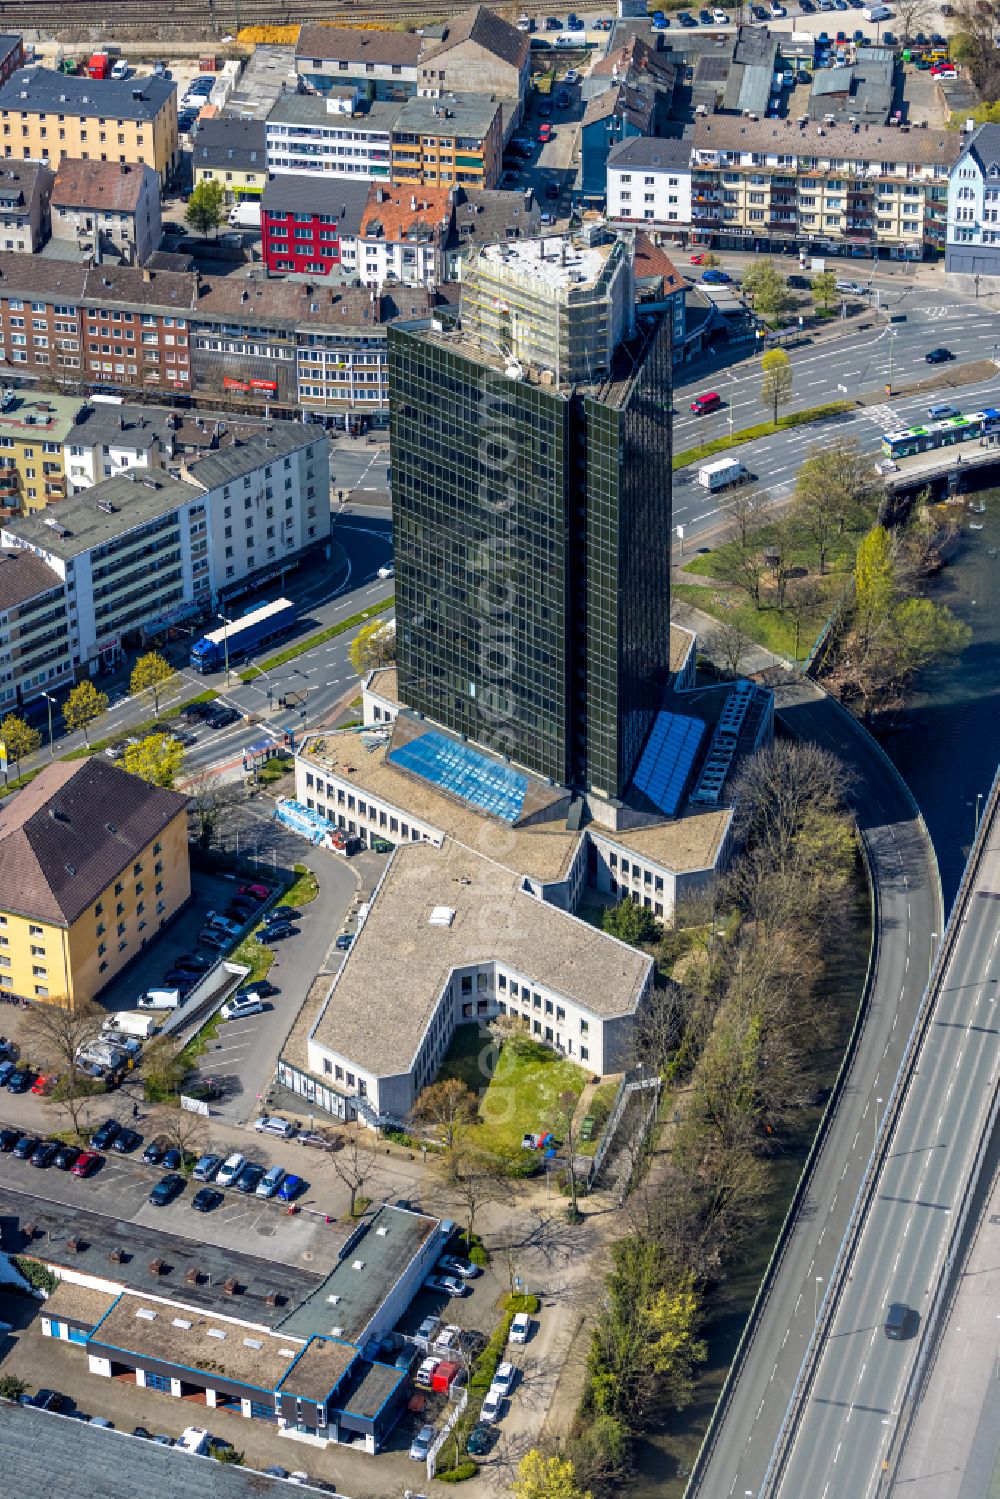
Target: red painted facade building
{"x":303,"y":222}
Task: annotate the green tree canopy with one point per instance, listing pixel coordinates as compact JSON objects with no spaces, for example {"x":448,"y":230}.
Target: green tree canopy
{"x":83,"y":705}
{"x":768,"y":288}
{"x":155,"y":759}
{"x":373,"y":645}
{"x":151,"y":674}
{"x":630,"y":922}
{"x":205,"y":209}
{"x":824,"y":290}
{"x":776,"y":386}
{"x":541,"y":1477}
{"x":19,"y":738}
{"x":874,"y":578}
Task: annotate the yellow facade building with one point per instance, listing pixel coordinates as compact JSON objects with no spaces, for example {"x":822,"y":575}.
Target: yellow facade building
{"x":231,"y":152}
{"x":33,"y":431}
{"x":47,"y":116}
{"x":93,"y":863}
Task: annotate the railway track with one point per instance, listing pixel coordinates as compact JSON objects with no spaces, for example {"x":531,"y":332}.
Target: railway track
{"x":119,"y":18}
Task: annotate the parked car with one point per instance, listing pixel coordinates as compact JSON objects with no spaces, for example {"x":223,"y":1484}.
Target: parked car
{"x":44,"y":1154}
{"x":273,"y":1124}
{"x":240,"y":1007}
{"x":104,"y":1134}
{"x":173,"y":1158}
{"x":207,"y":1199}
{"x":214,"y":939}
{"x":492,"y":1406}
{"x":453,"y":1264}
{"x":26,"y":1146}
{"x":449,"y":1285}
{"x":20,"y":1081}
{"x":520,"y":1328}
{"x":480,"y":1440}
{"x":46,"y":1400}
{"x":503,"y":1379}
{"x":166,"y":1190}
{"x":154,"y":1152}
{"x":284,"y":913}
{"x":344,"y":941}
{"x":249,"y":1177}
{"x":258,"y":891}
{"x":278,"y":932}
{"x":206,"y":1167}
{"x":125,"y":1141}
{"x":270,"y":1182}
{"x":44,"y":1083}
{"x":421,"y":1444}
{"x":193,"y":962}
{"x":230,"y":1169}
{"x":8,"y":1139}
{"x":86,"y":1163}
{"x":66,"y":1157}
{"x":290,"y":1187}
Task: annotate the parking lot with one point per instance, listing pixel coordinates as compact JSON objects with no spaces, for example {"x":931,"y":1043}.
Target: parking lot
{"x":146,"y":971}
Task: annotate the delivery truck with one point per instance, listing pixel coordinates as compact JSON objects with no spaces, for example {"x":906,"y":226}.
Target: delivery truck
{"x":132,"y":1023}
{"x":243,"y":635}
{"x":721,"y":474}
{"x":244,"y":216}
{"x":99,"y":65}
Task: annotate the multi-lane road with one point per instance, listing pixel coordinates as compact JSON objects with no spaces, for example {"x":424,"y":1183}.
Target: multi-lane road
{"x":845,"y":1426}
{"x":835,"y":367}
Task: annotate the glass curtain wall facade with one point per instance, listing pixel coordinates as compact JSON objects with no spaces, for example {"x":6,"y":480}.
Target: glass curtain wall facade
{"x":532,"y":536}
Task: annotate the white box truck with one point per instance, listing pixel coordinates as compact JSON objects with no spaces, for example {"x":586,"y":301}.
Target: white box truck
{"x":132,"y":1023}
{"x":722,"y":473}
{"x":193,"y":1439}
{"x":244,"y":216}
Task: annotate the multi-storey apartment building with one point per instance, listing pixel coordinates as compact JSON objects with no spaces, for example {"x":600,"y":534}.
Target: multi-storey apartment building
{"x":47,"y":116}
{"x":109,"y":209}
{"x":974,"y":206}
{"x":451,"y":139}
{"x":402,"y":235}
{"x":382,"y":64}
{"x":854,"y":189}
{"x":304,"y":221}
{"x":25,"y":195}
{"x":93,"y":862}
{"x":33,"y":429}
{"x":249,"y":342}
{"x":231,"y":152}
{"x":140,"y":551}
{"x":35,"y":651}
{"x":481,"y":52}
{"x":649,"y":183}
{"x":332,"y":133}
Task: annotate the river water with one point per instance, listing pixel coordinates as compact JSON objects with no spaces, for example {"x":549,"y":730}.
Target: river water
{"x":947,"y":745}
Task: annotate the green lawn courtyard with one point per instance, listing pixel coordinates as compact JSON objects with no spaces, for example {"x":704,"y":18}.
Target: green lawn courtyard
{"x":518,"y":1091}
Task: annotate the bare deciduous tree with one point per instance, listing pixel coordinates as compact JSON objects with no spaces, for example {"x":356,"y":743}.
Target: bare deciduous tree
{"x":355,"y":1163}
{"x":445,"y":1109}
{"x":55,"y":1033}
{"x":728,"y":648}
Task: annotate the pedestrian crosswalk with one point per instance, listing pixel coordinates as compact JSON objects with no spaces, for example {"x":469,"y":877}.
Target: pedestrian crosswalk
{"x":883,"y":416}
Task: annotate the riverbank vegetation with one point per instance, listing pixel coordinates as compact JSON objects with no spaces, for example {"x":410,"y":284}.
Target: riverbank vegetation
{"x":735,"y":1028}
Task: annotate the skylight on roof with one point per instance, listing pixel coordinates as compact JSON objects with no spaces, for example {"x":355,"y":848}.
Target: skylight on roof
{"x":465,"y":773}
{"x":667,"y":760}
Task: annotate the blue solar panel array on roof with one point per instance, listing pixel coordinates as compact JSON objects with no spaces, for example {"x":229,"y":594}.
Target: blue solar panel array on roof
{"x":464,"y":772}
{"x":666,"y":762}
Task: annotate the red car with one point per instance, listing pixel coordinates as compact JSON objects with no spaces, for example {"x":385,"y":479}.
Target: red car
{"x":710,"y":401}
{"x":698,"y":259}
{"x":544,"y":134}
{"x":86,"y":1163}
{"x":259,"y":892}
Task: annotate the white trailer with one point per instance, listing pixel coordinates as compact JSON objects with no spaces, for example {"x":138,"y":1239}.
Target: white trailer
{"x":721,"y":474}
{"x":132,"y":1023}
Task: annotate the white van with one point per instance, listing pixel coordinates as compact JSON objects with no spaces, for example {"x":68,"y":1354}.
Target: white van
{"x":877,"y":13}
{"x":270,"y":1182}
{"x":194,"y":1439}
{"x":230,"y":1169}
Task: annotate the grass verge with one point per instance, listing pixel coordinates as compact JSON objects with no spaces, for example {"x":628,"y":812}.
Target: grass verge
{"x":768,"y":627}
{"x":763,"y":429}
{"x":312,"y":641}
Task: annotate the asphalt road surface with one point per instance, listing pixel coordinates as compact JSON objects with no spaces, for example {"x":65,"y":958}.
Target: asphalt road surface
{"x":849,"y":1418}
{"x":909,"y":922}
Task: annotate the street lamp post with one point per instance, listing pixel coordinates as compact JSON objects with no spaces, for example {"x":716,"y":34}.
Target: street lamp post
{"x":50,"y":701}
{"x":819,"y":1282}
{"x":878,"y":1105}
{"x":225,"y":641}
{"x":892,"y":339}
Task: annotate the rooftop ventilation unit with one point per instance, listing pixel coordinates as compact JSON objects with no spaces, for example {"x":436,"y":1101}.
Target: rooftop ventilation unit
{"x":146,"y":1314}
{"x":217,"y":1332}
{"x":441,"y":916}
{"x":181,"y":1322}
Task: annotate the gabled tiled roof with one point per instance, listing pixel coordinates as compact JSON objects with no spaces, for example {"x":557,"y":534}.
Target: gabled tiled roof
{"x":486,"y":29}
{"x":114,"y":186}
{"x":71,"y":832}
{"x":333,"y":43}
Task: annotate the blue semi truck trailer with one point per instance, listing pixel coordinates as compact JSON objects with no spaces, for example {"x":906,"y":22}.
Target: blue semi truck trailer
{"x":243,"y":635}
